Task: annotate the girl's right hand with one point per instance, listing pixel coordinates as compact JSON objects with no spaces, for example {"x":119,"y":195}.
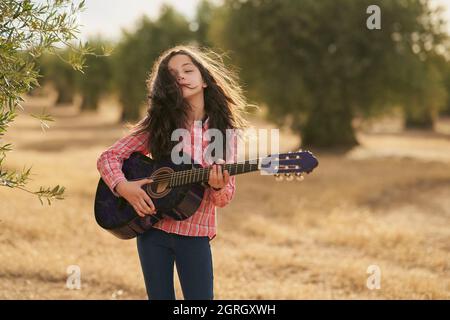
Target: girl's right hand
{"x":136,"y":196}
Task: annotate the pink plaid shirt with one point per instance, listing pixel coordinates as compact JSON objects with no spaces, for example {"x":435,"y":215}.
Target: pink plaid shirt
{"x":201,"y":223}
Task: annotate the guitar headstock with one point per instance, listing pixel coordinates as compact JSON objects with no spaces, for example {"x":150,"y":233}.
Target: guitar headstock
{"x":290,"y":164}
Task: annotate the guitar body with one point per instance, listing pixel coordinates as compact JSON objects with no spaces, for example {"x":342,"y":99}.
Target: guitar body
{"x":118,"y":217}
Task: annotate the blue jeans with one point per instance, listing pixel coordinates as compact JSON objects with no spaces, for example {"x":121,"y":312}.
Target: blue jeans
{"x":158,"y":250}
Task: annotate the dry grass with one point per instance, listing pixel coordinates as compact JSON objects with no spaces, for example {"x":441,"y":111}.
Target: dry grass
{"x":387,"y":202}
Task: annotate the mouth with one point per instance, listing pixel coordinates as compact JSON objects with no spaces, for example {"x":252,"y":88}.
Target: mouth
{"x":188,"y":86}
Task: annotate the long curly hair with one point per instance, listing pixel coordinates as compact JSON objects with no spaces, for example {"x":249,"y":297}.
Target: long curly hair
{"x":225,"y":104}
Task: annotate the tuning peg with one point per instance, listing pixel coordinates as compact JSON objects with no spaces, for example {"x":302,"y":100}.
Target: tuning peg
{"x":300,"y":176}
{"x":289,"y":177}
{"x":278,"y":177}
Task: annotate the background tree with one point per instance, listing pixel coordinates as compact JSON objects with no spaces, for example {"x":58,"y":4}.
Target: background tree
{"x":428,"y":94}
{"x":446,"y":78}
{"x":135,"y":54}
{"x":27,"y":29}
{"x":203,"y":18}
{"x":96,"y":78}
{"x":60,"y":74}
{"x":317,"y":65}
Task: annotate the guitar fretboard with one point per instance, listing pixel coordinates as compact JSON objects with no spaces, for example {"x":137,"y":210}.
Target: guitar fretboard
{"x":196,"y":175}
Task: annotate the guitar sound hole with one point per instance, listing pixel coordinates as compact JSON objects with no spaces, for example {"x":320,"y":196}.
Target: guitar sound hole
{"x":160,"y":187}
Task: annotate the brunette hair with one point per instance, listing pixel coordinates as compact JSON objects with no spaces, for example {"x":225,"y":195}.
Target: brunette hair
{"x":225,"y":104}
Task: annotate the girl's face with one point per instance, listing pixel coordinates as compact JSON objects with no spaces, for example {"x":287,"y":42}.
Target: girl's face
{"x":187,"y":74}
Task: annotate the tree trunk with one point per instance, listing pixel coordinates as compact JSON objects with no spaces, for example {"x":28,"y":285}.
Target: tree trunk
{"x":446,"y":111}
{"x":416,"y":118}
{"x":129,"y":114}
{"x":64,"y":97}
{"x":329,"y":128}
{"x":89,"y":103}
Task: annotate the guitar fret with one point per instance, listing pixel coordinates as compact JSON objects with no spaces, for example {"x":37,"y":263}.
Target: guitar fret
{"x":201,"y":174}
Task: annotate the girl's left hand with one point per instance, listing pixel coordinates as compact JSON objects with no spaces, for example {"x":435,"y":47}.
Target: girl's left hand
{"x":217,"y":179}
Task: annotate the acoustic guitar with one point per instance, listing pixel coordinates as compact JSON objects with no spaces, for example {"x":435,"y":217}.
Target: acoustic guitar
{"x":177,"y":190}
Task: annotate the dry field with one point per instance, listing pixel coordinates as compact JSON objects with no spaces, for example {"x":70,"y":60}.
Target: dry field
{"x":384,"y":203}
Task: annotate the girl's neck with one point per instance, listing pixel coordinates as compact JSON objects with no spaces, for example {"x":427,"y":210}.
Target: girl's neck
{"x":198,"y":109}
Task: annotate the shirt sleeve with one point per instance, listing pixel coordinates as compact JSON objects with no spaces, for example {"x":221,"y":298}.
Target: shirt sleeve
{"x":220,"y":198}
{"x":109,"y":163}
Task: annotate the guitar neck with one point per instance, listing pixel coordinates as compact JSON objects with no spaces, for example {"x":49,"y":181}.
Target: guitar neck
{"x":196,"y":175}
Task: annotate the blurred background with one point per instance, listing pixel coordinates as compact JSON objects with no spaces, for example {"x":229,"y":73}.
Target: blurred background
{"x":372,"y":104}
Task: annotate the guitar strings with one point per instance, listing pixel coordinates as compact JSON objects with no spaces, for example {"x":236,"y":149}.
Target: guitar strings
{"x":184,"y":174}
{"x":168,"y":177}
{"x":190,"y":173}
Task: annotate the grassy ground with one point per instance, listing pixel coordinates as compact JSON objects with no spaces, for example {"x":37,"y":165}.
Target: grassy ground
{"x":384,"y":203}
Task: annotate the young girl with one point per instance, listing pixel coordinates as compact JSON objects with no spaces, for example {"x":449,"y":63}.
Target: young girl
{"x":186,"y":86}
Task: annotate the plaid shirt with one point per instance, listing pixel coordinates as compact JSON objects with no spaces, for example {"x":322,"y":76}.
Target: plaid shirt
{"x":201,"y":223}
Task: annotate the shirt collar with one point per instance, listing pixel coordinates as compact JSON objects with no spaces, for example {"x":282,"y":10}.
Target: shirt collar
{"x":205,"y":122}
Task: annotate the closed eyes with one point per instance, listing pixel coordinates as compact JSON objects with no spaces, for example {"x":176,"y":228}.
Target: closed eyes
{"x":187,"y":71}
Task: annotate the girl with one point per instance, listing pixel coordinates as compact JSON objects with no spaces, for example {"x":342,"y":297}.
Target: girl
{"x":186,"y":86}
